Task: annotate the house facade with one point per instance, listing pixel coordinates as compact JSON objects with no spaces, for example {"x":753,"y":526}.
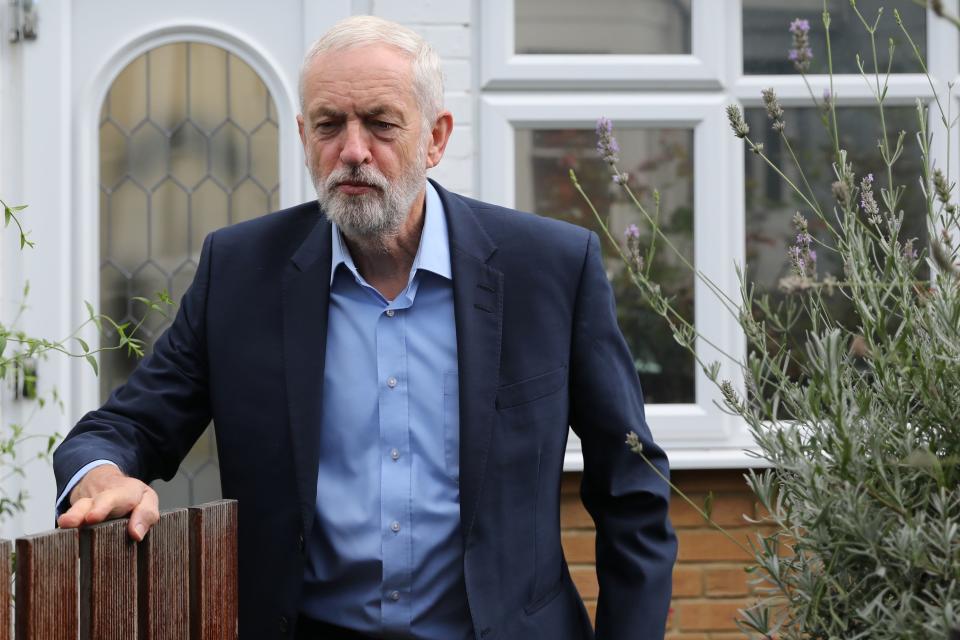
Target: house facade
{"x":132,"y":129}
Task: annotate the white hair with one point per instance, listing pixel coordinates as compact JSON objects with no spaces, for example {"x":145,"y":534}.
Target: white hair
{"x":359,"y":31}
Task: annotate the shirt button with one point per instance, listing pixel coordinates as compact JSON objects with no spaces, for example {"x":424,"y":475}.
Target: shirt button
{"x":394,"y":595}
{"x":395,"y":526}
{"x":391,"y":382}
{"x":395,"y":454}
{"x":390,"y":313}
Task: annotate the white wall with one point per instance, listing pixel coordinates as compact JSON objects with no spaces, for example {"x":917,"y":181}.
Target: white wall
{"x":449,"y":26}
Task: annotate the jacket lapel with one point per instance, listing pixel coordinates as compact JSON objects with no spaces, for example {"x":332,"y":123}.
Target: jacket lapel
{"x":478,"y":310}
{"x":306,"y":292}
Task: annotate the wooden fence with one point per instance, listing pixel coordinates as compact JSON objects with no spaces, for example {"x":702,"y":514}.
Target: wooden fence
{"x":96,"y":583}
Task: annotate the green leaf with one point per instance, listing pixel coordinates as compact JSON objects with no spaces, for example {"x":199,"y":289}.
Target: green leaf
{"x":83,"y":345}
{"x":19,"y":207}
{"x":93,"y":363}
{"x":708,"y":505}
{"x":3,"y":343}
{"x":90,"y":310}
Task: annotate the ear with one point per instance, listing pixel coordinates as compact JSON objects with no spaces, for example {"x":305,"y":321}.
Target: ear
{"x":303,"y":137}
{"x":439,"y":136}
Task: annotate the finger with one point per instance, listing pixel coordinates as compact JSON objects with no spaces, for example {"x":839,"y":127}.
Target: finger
{"x":112,"y":503}
{"x":144,"y":515}
{"x":74,"y":516}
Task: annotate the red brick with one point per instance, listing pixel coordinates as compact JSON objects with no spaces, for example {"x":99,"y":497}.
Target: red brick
{"x":687,"y":581}
{"x":727,"y":510}
{"x":578,"y":546}
{"x":716,"y":480}
{"x":585,"y":579}
{"x":591,"y":606}
{"x":709,"y":615}
{"x":706,"y":545}
{"x":726,"y":581}
{"x":572,"y":513}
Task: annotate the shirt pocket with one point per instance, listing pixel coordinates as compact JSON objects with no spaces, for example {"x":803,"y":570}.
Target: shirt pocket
{"x":451,"y":423}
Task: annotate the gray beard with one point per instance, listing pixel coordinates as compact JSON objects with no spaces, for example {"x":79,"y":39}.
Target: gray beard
{"x":370,"y":219}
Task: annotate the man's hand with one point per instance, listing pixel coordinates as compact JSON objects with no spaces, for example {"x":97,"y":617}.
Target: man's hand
{"x":106,"y":493}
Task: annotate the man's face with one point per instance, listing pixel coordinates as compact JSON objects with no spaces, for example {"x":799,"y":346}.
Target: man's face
{"x":363,"y":138}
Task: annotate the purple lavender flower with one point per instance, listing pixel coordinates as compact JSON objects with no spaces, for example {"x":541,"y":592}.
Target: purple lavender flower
{"x":607,"y":145}
{"x":800,"y":27}
{"x":802,"y":256}
{"x":800,"y":53}
{"x":632,"y":236}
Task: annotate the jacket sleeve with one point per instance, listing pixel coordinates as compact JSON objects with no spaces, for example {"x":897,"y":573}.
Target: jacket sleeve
{"x":149,"y":424}
{"x":636,"y":546}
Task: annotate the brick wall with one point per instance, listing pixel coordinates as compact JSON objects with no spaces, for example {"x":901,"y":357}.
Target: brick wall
{"x":709,"y":581}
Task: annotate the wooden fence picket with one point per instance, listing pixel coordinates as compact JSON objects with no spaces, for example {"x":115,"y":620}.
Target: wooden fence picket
{"x":164,"y":574}
{"x":213,"y":571}
{"x":47,"y":598}
{"x":6,"y":602}
{"x":108,"y":582}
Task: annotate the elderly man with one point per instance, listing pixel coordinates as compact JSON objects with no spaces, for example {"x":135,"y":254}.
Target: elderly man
{"x":391,"y":372}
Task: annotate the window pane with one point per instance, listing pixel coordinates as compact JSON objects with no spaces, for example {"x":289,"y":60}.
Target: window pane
{"x":771,"y":204}
{"x":188,"y":143}
{"x":767,"y":41}
{"x":654,"y":158}
{"x":602,"y":26}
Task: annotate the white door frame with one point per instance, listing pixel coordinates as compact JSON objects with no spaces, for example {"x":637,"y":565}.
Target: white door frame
{"x":59,"y":83}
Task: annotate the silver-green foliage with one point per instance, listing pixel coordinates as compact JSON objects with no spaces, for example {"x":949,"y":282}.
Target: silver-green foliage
{"x":859,"y":422}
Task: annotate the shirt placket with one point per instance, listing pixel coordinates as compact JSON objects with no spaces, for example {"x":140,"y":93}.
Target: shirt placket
{"x":395,"y":471}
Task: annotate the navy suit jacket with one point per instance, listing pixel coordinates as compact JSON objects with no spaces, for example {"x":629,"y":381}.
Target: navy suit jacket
{"x":539,"y":349}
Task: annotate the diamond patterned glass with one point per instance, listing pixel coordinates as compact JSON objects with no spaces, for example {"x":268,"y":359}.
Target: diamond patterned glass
{"x":188,"y":144}
{"x":653,"y":158}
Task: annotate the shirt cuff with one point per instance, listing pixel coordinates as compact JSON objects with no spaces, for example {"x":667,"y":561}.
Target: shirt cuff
{"x":77,"y":477}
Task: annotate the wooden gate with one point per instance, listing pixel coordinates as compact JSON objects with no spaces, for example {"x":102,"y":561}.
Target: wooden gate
{"x":96,"y":583}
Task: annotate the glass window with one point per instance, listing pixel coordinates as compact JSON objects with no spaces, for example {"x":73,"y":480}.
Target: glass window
{"x":602,"y":26}
{"x":653,"y":158}
{"x":771,"y":204}
{"x":767,"y":41}
{"x":188,"y":144}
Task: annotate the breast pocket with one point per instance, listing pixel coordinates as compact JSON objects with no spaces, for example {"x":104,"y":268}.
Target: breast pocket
{"x":513,"y":396}
{"x":451,"y":423}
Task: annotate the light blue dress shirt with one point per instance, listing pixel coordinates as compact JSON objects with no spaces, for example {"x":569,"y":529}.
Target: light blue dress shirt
{"x":386,"y":553}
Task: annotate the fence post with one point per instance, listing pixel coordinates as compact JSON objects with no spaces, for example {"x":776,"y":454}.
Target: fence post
{"x":164,"y":570}
{"x":6,"y":621}
{"x":213,"y":571}
{"x":108,"y":582}
{"x":47,"y":599}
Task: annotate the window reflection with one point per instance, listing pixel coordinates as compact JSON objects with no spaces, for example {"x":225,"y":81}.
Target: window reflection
{"x":654,"y":158}
{"x":771,"y":204}
{"x":602,"y":26}
{"x":766,"y":39}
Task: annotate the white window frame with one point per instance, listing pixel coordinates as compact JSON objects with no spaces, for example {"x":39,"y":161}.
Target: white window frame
{"x":502,"y":68}
{"x":529,"y":91}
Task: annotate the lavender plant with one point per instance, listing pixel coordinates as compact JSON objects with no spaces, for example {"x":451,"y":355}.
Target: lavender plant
{"x":19,"y":352}
{"x":857,"y":416}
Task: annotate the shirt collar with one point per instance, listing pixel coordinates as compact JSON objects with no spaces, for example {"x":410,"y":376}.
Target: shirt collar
{"x":433,"y":254}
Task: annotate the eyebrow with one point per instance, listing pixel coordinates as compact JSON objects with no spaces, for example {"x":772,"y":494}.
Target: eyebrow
{"x":373,"y":112}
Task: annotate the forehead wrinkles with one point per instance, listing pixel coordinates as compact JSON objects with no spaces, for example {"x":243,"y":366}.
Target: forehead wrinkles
{"x":360,"y":96}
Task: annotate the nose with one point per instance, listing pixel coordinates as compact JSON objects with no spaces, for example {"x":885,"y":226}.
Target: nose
{"x":355,"y":150}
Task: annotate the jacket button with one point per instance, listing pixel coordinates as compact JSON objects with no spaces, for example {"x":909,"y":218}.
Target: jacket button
{"x":284,"y":625}
{"x":301,"y":545}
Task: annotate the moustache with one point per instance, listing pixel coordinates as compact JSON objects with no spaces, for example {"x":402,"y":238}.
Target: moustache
{"x":357,"y":176}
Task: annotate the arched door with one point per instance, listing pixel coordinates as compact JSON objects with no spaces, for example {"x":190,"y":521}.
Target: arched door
{"x":140,"y":126}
